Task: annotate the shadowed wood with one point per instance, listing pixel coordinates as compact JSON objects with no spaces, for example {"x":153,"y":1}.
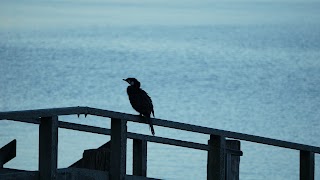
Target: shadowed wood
{"x":48,"y":148}
{"x":306,"y":165}
{"x":8,"y":152}
{"x":233,"y":161}
{"x":118,"y":149}
{"x":139,"y":157}
{"x":119,"y":135}
{"x":216,"y":158}
{"x":29,"y":114}
{"x":96,"y":159}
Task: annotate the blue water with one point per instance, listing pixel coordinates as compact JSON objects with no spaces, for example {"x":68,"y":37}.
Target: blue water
{"x":246,"y":66}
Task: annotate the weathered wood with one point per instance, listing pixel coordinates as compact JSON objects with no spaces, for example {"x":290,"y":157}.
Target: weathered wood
{"x":228,"y":166}
{"x":155,"y":139}
{"x":97,"y":159}
{"x":119,"y":138}
{"x":28,"y":120}
{"x":8,"y":152}
{"x":15,"y":174}
{"x":84,"y":128}
{"x":62,"y":174}
{"x":82,"y":174}
{"x":205,"y":130}
{"x":37,"y":113}
{"x":233,"y":161}
{"x":139,"y":157}
{"x":20,"y":115}
{"x":118,"y":149}
{"x":133,"y":177}
{"x":306,"y":165}
{"x":216,"y":158}
{"x":48,"y":148}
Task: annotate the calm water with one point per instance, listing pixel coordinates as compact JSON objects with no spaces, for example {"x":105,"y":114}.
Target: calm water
{"x":245,"y":66}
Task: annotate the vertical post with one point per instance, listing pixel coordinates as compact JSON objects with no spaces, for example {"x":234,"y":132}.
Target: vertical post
{"x":232,"y":160}
{"x":48,"y":148}
{"x":118,"y":149}
{"x":139,"y":157}
{"x":228,"y":166}
{"x":216,"y":158}
{"x":306,"y":165}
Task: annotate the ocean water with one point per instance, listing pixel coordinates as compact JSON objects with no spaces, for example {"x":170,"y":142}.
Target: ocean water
{"x":240,"y":65}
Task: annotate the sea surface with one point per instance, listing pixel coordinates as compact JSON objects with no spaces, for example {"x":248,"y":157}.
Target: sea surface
{"x":249,"y":66}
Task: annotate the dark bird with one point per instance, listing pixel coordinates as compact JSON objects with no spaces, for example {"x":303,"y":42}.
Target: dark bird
{"x":140,"y":100}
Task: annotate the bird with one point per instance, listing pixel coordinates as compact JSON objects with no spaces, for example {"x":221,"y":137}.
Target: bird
{"x":140,"y":100}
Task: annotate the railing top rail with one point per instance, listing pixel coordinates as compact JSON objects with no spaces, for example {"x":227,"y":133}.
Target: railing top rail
{"x":34,"y":114}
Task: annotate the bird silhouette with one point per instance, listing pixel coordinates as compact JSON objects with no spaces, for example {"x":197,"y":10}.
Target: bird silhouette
{"x":140,"y":100}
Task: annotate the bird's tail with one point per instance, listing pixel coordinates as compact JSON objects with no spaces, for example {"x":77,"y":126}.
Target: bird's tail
{"x":151,"y":127}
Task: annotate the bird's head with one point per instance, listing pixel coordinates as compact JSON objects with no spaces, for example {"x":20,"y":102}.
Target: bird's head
{"x":132,"y":82}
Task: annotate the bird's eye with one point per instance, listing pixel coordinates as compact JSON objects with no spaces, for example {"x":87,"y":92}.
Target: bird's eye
{"x":132,"y":83}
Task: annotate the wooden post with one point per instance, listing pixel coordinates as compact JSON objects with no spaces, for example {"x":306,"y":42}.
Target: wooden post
{"x":228,"y":166}
{"x":118,"y":149}
{"x":306,"y":165}
{"x":216,"y":158}
{"x":139,"y":157}
{"x":232,"y":161}
{"x":48,"y":148}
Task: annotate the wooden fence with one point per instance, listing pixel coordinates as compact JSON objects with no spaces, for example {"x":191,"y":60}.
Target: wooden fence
{"x":219,"y":152}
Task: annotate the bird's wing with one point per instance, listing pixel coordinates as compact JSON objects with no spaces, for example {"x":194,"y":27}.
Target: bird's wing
{"x":147,"y":102}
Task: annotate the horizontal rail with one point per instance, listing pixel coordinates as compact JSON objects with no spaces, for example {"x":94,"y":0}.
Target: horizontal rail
{"x":161,"y":140}
{"x":84,"y":128}
{"x":206,"y":130}
{"x":30,"y":114}
{"x":154,"y":139}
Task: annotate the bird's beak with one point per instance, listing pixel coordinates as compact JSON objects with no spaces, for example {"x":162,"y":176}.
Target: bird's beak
{"x":124,"y":80}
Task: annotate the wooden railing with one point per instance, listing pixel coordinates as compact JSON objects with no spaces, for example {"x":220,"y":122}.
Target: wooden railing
{"x":218,"y":153}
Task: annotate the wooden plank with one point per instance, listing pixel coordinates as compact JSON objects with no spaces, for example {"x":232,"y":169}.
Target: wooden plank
{"x":15,"y":174}
{"x":106,"y":148}
{"x":28,"y":120}
{"x":81,"y":174}
{"x":233,"y":161}
{"x":306,"y":165}
{"x":164,"y":123}
{"x":139,"y":157}
{"x":216,"y":158}
{"x":228,"y":167}
{"x":133,"y":177}
{"x":155,"y":139}
{"x":84,"y":128}
{"x":118,"y":149}
{"x":37,"y":113}
{"x":97,"y":159}
{"x":206,"y":130}
{"x":168,"y":141}
{"x":8,"y":152}
{"x":48,"y":148}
